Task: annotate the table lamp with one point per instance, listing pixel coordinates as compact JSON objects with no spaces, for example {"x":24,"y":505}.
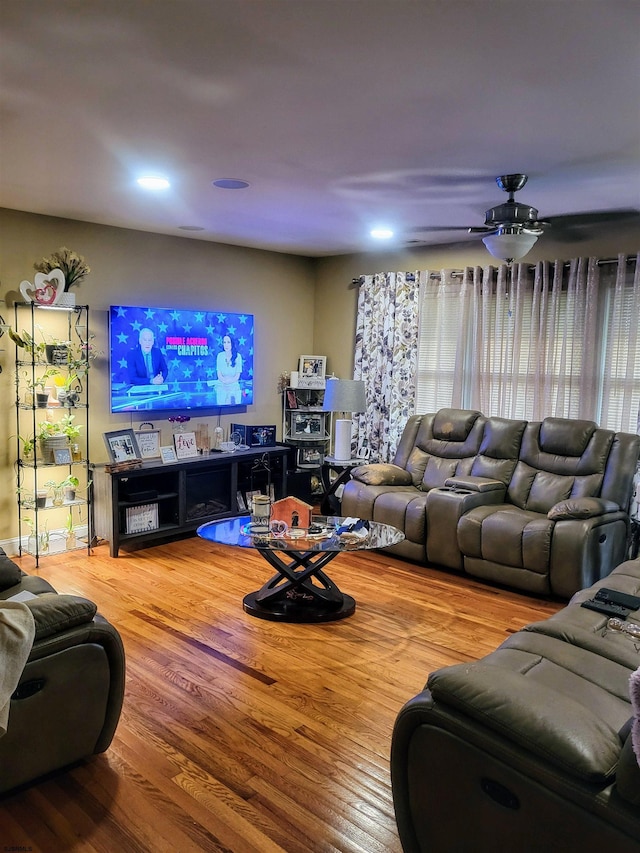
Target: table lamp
{"x":344,"y":396}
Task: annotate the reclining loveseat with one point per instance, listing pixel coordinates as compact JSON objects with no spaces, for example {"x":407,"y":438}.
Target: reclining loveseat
{"x":538,"y":506}
{"x":532,"y":747}
{"x":68,"y":698}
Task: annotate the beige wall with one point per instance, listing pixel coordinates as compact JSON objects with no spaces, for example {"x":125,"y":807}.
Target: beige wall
{"x":137,"y":268}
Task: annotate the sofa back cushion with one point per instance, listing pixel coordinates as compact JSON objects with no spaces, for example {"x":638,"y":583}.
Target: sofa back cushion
{"x":499,"y":450}
{"x":446,"y":444}
{"x":560,"y":458}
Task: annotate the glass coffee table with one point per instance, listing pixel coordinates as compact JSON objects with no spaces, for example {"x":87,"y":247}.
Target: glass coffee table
{"x":300,"y":591}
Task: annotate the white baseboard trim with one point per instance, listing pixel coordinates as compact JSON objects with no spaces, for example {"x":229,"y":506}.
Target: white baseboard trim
{"x":56,"y":542}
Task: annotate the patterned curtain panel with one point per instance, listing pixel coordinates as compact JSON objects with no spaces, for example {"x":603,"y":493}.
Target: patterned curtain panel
{"x":386,"y":358}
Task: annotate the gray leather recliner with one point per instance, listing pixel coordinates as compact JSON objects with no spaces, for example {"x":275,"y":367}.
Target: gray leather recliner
{"x":67,"y":704}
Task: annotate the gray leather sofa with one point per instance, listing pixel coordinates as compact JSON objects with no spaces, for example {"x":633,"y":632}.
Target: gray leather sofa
{"x":528,"y":749}
{"x":538,"y":506}
{"x":68,"y":700}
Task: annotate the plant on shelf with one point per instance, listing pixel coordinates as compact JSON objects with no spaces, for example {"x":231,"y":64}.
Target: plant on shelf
{"x":63,"y":427}
{"x":37,"y":542}
{"x":70,"y":532}
{"x":67,"y":389}
{"x":63,"y":490}
{"x":27,"y":446}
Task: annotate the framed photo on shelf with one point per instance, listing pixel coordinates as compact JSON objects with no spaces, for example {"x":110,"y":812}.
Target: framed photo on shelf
{"x":312,"y":366}
{"x":62,"y":456}
{"x":148,"y":443}
{"x":309,"y":457}
{"x":122,"y":445}
{"x":168,"y":453}
{"x":307,"y":425}
{"x":292,"y":400}
{"x":242,"y":504}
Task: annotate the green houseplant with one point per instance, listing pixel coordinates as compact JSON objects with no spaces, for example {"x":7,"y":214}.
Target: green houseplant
{"x":57,"y":434}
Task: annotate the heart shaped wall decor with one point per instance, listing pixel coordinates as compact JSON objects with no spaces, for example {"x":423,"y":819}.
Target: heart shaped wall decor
{"x":49,"y":287}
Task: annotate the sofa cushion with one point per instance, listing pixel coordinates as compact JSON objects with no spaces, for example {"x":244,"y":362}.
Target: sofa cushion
{"x":382,"y":474}
{"x":581,"y":508}
{"x":565,"y":437}
{"x":507,"y":535}
{"x":453,"y":424}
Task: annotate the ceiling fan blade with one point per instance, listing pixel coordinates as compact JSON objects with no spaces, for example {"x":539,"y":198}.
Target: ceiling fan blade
{"x":574,"y":227}
{"x":421,"y":229}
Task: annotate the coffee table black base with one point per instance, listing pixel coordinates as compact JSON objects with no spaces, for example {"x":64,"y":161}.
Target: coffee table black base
{"x":293,"y":611}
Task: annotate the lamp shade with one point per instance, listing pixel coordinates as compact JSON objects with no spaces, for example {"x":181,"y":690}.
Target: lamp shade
{"x":344,"y":395}
{"x":509,"y":247}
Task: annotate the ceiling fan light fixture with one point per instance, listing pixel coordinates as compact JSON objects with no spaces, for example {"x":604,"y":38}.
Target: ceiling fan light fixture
{"x":510,"y":244}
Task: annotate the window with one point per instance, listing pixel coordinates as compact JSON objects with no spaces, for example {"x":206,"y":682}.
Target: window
{"x":527,"y":343}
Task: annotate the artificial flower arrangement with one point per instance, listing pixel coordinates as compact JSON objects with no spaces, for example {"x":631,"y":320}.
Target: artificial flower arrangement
{"x":73,"y":266}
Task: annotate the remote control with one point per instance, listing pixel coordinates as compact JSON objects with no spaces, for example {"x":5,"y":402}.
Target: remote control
{"x":606,"y":607}
{"x":616,"y":597}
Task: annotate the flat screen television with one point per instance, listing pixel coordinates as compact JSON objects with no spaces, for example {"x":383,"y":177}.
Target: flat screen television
{"x":164,"y":359}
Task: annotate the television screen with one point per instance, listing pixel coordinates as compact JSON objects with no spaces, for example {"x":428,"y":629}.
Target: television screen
{"x":169,"y":358}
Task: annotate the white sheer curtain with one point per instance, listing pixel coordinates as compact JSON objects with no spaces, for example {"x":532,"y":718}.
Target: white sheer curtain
{"x":554,"y":340}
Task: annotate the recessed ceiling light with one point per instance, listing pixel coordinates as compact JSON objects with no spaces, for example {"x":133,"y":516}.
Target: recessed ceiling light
{"x":230,"y":184}
{"x":151,"y":182}
{"x":190,"y":228}
{"x":381,"y":233}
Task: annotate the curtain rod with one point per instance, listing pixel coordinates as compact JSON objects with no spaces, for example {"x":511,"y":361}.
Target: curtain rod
{"x":459,"y":273}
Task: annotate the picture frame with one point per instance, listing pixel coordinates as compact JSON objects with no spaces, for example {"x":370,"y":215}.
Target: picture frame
{"x":292,"y":400}
{"x":312,"y":366}
{"x":242,"y":504}
{"x":307,"y":425}
{"x":168,"y":454}
{"x":148,"y":443}
{"x":185,"y":444}
{"x":62,"y":456}
{"x":122,"y":446}
{"x":309,"y":457}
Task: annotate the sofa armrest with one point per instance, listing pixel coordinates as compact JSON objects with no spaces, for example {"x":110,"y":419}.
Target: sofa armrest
{"x":581,"y":508}
{"x":573,"y":737}
{"x":382,"y":474}
{"x":475,"y":484}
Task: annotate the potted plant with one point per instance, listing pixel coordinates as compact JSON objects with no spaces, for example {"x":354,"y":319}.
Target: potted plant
{"x":53,"y":435}
{"x":38,"y":386}
{"x":66,"y":393}
{"x":64,"y":491}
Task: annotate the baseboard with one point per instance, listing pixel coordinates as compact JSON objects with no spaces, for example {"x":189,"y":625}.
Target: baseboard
{"x":56,"y":542}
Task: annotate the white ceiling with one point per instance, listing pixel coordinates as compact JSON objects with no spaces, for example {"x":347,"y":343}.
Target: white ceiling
{"x":341,"y":114}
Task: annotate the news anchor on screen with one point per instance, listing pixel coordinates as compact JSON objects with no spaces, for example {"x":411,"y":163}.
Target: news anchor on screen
{"x":146,"y":364}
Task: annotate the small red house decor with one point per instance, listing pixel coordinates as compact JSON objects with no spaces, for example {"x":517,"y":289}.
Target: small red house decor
{"x":293,"y":511}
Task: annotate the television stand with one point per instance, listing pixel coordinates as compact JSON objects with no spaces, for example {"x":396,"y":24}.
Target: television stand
{"x":141,"y":506}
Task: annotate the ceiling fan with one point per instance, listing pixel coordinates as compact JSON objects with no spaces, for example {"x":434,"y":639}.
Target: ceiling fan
{"x":512,"y":228}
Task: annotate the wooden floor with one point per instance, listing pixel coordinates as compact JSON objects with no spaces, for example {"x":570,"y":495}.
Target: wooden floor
{"x":239,"y":734}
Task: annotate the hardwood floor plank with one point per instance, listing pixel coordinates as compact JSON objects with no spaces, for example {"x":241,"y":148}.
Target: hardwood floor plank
{"x":241,"y":735}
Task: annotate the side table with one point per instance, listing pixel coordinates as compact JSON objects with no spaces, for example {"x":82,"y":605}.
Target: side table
{"x":334,"y":473}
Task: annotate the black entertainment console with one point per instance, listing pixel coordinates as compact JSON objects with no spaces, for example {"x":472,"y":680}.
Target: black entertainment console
{"x":158,"y":500}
